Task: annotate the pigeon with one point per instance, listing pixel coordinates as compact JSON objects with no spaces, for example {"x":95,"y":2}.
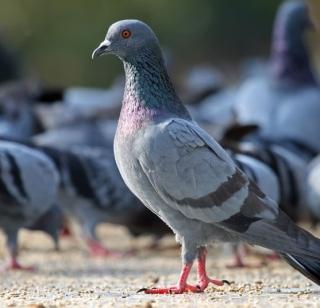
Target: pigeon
{"x":28,"y":191}
{"x":285,"y":102}
{"x":95,"y":134}
{"x":92,"y":192}
{"x":215,"y":112}
{"x":183,"y":175}
{"x":78,"y":105}
{"x":287,"y":166}
{"x":280,"y":174}
{"x":200,"y":82}
{"x":17,"y":115}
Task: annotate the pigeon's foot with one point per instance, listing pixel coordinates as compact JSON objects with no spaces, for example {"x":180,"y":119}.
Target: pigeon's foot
{"x":98,"y":250}
{"x":203,"y":279}
{"x":65,"y":231}
{"x":14,"y":265}
{"x":181,"y":287}
{"x":238,"y":264}
{"x":238,"y":259}
{"x":272,"y":257}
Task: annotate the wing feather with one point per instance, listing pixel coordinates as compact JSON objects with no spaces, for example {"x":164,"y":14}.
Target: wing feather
{"x":194,"y":175}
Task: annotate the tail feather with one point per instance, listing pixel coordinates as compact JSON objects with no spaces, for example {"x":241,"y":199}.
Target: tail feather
{"x":309,"y":267}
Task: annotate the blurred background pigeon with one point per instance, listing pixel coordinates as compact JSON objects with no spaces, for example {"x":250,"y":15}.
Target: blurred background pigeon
{"x":29,"y":184}
{"x":92,"y":192}
{"x":285,"y":103}
{"x":207,"y":197}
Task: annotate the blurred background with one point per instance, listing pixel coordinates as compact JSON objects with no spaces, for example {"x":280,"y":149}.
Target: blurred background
{"x":53,"y":40}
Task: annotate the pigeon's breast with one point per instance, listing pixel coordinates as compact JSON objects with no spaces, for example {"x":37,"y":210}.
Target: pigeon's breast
{"x":127,"y":152}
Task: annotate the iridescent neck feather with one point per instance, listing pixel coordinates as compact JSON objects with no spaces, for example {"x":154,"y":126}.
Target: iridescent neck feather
{"x":149,"y":94}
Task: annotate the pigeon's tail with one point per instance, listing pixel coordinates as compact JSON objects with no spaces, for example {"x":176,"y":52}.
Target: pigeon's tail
{"x":309,"y":267}
{"x":297,"y":246}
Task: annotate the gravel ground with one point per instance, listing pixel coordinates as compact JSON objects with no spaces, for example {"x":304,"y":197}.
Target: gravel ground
{"x":71,"y":278}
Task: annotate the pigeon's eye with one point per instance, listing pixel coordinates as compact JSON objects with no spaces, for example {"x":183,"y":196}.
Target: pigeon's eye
{"x":126,"y":34}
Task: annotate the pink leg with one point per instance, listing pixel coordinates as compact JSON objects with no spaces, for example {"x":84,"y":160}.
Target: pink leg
{"x":203,"y":278}
{"x":272,"y":257}
{"x":15,"y":265}
{"x":98,"y":250}
{"x":65,"y":231}
{"x":238,"y":259}
{"x":181,"y":287}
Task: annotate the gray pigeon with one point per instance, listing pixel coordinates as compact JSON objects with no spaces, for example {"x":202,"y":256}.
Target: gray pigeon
{"x":93,"y":192}
{"x":281,"y":174}
{"x":28,"y":187}
{"x":183,"y":175}
{"x":17,"y":116}
{"x":285,"y":103}
{"x":288,"y":168}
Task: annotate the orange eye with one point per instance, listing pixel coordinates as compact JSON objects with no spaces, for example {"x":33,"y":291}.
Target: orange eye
{"x":126,"y":34}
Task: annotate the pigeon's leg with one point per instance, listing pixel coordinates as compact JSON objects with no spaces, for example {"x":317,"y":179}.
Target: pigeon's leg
{"x":12,"y":245}
{"x":65,"y":231}
{"x":203,"y":279}
{"x":96,"y":249}
{"x":181,"y":287}
{"x":273,"y":256}
{"x":241,"y":250}
{"x":238,"y":258}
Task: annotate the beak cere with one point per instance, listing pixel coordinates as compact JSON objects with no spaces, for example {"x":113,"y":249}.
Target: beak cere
{"x":102,"y":49}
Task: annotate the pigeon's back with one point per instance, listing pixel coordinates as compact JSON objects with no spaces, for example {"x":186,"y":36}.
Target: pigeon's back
{"x":256,"y":102}
{"x":108,"y":188}
{"x":297,"y":118}
{"x":28,"y":182}
{"x":283,"y":112}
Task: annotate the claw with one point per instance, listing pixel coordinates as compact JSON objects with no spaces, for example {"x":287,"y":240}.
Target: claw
{"x":226,"y":282}
{"x":203,"y":278}
{"x":182,"y":286}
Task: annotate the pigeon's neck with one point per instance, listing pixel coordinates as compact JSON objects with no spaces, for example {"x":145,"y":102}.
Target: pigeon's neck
{"x":289,"y":56}
{"x":149,"y":94}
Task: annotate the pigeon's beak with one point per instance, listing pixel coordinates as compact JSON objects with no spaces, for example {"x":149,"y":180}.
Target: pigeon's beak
{"x":102,"y":49}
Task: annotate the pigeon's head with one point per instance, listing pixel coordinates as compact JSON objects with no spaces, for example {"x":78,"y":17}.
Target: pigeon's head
{"x":289,"y":51}
{"x":292,"y":20}
{"x":128,"y":38}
